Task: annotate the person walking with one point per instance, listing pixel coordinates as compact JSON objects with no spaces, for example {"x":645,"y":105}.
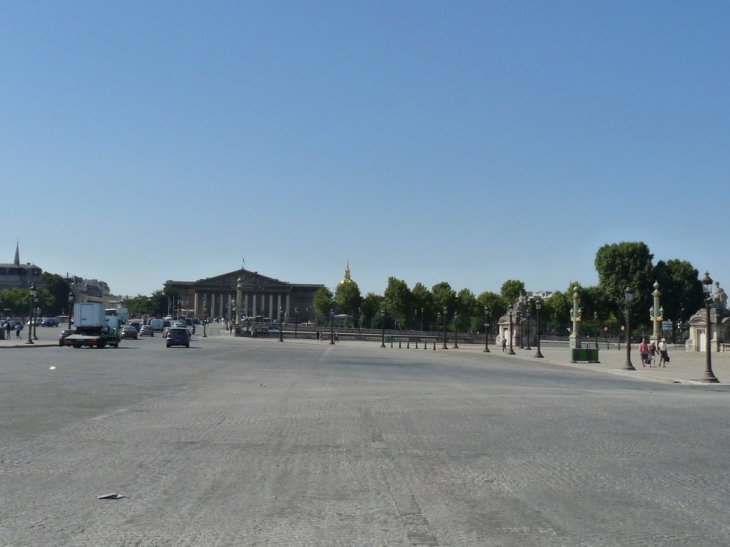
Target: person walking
{"x":652,"y":353}
{"x":663,"y":353}
{"x":8,"y":328}
{"x":504,"y":344}
{"x":644,"y":352}
{"x":18,"y":326}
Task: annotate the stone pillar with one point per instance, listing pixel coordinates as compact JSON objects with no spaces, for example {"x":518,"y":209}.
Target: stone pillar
{"x":288,"y":304}
{"x":245,"y":305}
{"x":278,"y":307}
{"x":195,"y":304}
{"x":271,"y":306}
{"x":254,"y":311}
{"x":656,"y":314}
{"x":575,"y":315}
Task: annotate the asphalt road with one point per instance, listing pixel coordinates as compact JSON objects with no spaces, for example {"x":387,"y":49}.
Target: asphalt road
{"x":255,"y":442}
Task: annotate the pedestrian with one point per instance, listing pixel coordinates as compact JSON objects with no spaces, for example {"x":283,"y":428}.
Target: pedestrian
{"x":663,"y":353}
{"x":652,"y":353}
{"x":644,"y":351}
{"x":337,"y":336}
{"x":18,"y":326}
{"x":317,"y":335}
{"x":504,"y":345}
{"x":8,"y":329}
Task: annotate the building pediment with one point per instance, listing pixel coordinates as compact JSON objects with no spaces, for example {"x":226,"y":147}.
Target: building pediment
{"x":249,"y":281}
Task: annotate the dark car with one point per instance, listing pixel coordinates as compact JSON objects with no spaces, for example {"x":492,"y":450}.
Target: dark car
{"x":177,"y":336}
{"x":49,"y":322}
{"x":128,"y":331}
{"x":62,"y":337}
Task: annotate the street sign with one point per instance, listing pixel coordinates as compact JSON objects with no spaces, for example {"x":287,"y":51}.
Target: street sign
{"x":666,"y":325}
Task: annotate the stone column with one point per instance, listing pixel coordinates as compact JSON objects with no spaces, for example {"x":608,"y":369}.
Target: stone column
{"x":271,"y":306}
{"x":575,"y":313}
{"x":254,"y":311}
{"x":278,"y":306}
{"x":656,"y":314}
{"x":288,"y":305}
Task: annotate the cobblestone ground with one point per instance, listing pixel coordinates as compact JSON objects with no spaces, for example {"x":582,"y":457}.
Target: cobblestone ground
{"x":255,"y":442}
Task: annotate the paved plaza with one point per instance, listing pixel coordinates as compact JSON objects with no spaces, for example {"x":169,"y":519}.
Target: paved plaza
{"x":258,"y":442}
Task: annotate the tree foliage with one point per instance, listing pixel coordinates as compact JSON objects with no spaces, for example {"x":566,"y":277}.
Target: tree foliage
{"x":323,"y":301}
{"x":511,"y":290}
{"x":397,"y":300}
{"x":347,"y":295}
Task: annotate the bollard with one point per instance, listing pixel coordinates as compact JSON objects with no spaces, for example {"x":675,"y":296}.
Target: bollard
{"x":425,"y":344}
{"x":434,"y":345}
{"x":416,"y":344}
{"x":391,"y":341}
{"x":408,"y":344}
{"x":399,"y":344}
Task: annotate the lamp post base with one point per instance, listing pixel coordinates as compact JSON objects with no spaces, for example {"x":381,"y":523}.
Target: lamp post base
{"x":709,"y":378}
{"x":538,"y":354}
{"x":628,"y":366}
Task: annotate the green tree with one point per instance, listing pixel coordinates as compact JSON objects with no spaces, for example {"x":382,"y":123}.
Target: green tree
{"x":466,"y":308}
{"x":323,"y":301}
{"x":371,"y":306}
{"x":158,"y":303}
{"x":680,"y":288}
{"x":423,"y":301}
{"x":495,"y":304}
{"x":398,"y":300}
{"x":626,"y":264}
{"x":347,"y":295}
{"x":443,"y":297}
{"x":511,"y":290}
{"x":58,"y":289}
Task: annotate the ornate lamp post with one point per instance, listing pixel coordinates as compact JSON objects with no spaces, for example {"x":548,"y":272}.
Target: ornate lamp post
{"x":708,"y":377}
{"x":205,"y":314}
{"x":656,"y":318}
{"x":527,"y":319}
{"x":281,"y":324}
{"x":239,"y":302}
{"x":30,"y":314}
{"x":382,"y":326}
{"x":538,"y":305}
{"x":486,"y":329}
{"x":296,"y":321}
{"x":629,"y":296}
{"x":575,"y":317}
{"x":35,"y":323}
{"x":307,"y":315}
{"x":332,"y":327}
{"x":359,"y":320}
{"x":71,"y":299}
{"x":456,"y":331}
{"x":511,"y":314}
{"x":444,"y":346}
{"x":595,"y":327}
{"x":422,"y":319}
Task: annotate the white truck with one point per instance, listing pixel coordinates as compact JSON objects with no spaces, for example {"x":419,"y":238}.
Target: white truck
{"x":121,"y":313}
{"x":93,"y":328}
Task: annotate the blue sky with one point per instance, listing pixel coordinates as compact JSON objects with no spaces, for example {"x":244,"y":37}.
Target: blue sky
{"x":468,"y":142}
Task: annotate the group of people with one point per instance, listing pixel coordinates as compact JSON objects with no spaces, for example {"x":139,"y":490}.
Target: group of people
{"x":648,"y":353}
{"x":9,"y":329}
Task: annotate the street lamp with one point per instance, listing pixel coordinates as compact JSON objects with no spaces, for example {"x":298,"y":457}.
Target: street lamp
{"x":382,"y":326}
{"x":205,"y":314}
{"x":629,"y":296}
{"x":486,"y":329}
{"x":527,"y":316}
{"x":422,"y":319}
{"x":708,"y":377}
{"x":332,"y":327}
{"x":456,"y":331}
{"x":538,"y":305}
{"x":296,"y":321}
{"x":35,"y":323}
{"x":359,"y":320}
{"x":444,"y":346}
{"x":522,"y":330}
{"x":511,"y":314}
{"x":595,"y":327}
{"x":281,"y":324}
{"x":30,"y":315}
{"x":70,"y":308}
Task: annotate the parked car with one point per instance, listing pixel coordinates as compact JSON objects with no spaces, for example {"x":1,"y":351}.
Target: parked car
{"x":65,"y":333}
{"x":128,"y":331}
{"x":49,"y":322}
{"x":147,"y":330}
{"x":177,"y":336}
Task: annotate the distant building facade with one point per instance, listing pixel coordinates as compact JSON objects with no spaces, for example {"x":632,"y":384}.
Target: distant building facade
{"x":19,"y":276}
{"x":262,"y":296}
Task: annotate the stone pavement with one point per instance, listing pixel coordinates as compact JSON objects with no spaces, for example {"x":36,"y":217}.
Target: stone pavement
{"x":684,"y":367}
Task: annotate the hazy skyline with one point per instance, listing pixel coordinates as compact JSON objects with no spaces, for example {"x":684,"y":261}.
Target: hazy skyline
{"x":468,"y":142}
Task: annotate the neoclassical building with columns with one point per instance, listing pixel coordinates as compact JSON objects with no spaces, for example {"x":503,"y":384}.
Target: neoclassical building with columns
{"x":261,"y":296}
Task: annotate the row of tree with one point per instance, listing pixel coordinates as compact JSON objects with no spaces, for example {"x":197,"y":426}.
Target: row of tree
{"x":603,"y":307}
{"x":619,"y":265}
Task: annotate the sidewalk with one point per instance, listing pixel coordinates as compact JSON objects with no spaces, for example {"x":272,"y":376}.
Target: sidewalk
{"x":684,"y":367}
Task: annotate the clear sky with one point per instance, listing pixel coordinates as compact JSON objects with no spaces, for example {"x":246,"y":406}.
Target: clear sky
{"x":468,"y":142}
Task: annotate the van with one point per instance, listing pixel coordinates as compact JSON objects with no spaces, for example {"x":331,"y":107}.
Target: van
{"x":157,"y":325}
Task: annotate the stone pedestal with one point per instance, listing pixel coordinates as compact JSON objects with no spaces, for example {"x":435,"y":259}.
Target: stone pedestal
{"x":574,"y":342}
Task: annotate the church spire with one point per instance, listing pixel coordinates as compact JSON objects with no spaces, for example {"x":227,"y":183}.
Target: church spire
{"x":17,"y":254}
